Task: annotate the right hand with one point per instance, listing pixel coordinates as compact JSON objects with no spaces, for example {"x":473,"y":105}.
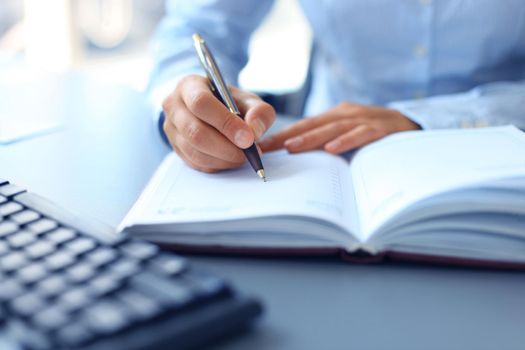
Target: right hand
{"x":204,"y":133}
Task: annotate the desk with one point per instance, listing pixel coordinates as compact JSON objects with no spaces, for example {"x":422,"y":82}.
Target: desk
{"x":109,"y":147}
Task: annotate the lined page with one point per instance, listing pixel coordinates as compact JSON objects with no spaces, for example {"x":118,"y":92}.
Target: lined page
{"x":309,"y":184}
{"x":401,"y":169}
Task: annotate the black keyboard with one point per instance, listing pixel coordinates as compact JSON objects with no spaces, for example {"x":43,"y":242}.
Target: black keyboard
{"x":66,"y":283}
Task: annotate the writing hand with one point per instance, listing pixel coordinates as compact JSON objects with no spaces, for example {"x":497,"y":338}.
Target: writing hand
{"x":204,"y":133}
{"x":342,"y":128}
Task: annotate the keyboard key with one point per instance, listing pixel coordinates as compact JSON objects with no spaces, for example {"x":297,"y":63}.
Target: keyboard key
{"x":25,"y":217}
{"x":42,"y":225}
{"x":29,"y":337}
{"x":50,"y":318}
{"x":61,"y":235}
{"x":74,"y":299}
{"x":40,"y":249}
{"x":59,"y":260}
{"x":103,"y":284}
{"x":205,"y":285}
{"x":80,"y":273}
{"x":27,"y":304}
{"x":112,"y":240}
{"x":106,"y":317}
{"x":32,"y":273}
{"x":101,"y":256}
{"x":81,"y":245}
{"x":74,"y":335}
{"x":7,"y":228}
{"x":123,"y":268}
{"x":21,"y":239}
{"x":10,"y":289}
{"x":168,"y":293}
{"x":140,"y":250}
{"x":10,"y":190}
{"x":170,"y":264}
{"x":52,"y":286}
{"x":4,"y":248}
{"x":13,"y":261}
{"x":139,"y":306}
{"x":10,"y":208}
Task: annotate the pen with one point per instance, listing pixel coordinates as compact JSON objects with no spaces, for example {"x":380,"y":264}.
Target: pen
{"x":221,"y":91}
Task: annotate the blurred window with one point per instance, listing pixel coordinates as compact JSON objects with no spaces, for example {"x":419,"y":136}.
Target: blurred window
{"x":285,"y":31}
{"x":108,"y":27}
{"x":109,"y":39}
{"x":11,"y":16}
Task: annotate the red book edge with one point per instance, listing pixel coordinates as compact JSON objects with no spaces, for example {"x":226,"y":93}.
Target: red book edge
{"x":357,"y":257}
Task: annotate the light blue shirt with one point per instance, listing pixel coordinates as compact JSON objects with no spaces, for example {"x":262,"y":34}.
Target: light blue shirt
{"x":443,"y":63}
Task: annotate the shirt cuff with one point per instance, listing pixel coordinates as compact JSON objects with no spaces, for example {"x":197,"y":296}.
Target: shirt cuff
{"x":442,"y":112}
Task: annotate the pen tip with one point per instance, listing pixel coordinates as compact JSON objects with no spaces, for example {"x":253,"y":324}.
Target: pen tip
{"x":261,"y":174}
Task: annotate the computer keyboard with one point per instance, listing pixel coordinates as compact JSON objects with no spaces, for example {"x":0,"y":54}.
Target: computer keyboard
{"x":66,"y":283}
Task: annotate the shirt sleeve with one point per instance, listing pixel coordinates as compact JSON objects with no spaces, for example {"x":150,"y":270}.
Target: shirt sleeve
{"x":492,"y":104}
{"x":226,"y":25}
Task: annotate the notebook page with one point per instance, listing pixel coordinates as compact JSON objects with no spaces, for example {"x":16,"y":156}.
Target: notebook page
{"x":404,"y":168}
{"x":308,"y":184}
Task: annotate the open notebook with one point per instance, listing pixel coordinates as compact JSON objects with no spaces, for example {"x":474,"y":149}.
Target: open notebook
{"x":449,"y":195}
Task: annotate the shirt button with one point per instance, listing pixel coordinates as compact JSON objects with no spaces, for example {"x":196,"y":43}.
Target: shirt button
{"x":480,"y":123}
{"x":465,"y":124}
{"x":420,"y":51}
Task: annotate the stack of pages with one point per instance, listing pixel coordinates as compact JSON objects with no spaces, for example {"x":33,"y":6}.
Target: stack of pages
{"x":455,"y":196}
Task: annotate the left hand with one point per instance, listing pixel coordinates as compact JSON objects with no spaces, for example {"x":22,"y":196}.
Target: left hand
{"x":342,"y":128}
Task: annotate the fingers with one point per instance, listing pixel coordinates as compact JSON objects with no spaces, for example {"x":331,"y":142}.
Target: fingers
{"x":200,"y":101}
{"x":318,"y":137}
{"x":357,"y":137}
{"x":260,"y":118}
{"x":340,"y":129}
{"x":277,"y":140}
{"x":204,"y":132}
{"x":258,"y":114}
{"x":205,"y":138}
{"x":194,"y":157}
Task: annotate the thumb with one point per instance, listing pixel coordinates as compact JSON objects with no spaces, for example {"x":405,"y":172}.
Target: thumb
{"x":260,"y":117}
{"x":258,"y":114}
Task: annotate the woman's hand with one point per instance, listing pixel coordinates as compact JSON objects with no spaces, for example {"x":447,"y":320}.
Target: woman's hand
{"x":340,"y":129}
{"x":204,"y":133}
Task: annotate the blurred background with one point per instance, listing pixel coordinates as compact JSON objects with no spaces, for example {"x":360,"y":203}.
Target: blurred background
{"x":109,"y":40}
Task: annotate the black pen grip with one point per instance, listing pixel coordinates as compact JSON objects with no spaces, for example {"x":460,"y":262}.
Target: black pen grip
{"x":252,"y":154}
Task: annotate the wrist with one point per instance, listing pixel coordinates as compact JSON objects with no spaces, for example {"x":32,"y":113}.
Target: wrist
{"x":406,"y":122}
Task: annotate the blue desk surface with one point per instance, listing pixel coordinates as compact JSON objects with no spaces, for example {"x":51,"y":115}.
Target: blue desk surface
{"x":100,"y":160}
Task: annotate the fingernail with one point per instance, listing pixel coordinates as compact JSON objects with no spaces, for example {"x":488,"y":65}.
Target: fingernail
{"x":261,"y":128}
{"x":258,"y":128}
{"x":333,"y":146}
{"x":242,"y":139}
{"x":294,"y":142}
